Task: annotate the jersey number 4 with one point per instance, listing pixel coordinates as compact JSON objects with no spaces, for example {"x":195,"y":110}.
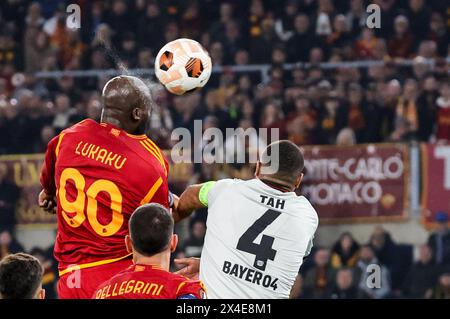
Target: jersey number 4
{"x":262,"y":251}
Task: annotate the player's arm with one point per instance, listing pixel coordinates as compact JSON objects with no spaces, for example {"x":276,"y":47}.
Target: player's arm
{"x":194,"y":197}
{"x":47,"y":198}
{"x":296,"y":288}
{"x":190,"y":267}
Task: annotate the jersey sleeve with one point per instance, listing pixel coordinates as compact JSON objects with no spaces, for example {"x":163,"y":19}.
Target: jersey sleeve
{"x":191,"y":290}
{"x":310,"y":246}
{"x":47,"y":177}
{"x":213,"y":191}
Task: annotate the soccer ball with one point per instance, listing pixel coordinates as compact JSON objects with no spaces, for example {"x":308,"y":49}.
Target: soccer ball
{"x":183,"y":66}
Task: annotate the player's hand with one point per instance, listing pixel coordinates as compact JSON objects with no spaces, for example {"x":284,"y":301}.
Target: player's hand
{"x":174,"y":208}
{"x":47,"y":202}
{"x":190,"y":267}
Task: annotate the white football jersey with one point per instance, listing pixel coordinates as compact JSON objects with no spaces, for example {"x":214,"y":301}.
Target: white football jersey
{"x":255,"y":241}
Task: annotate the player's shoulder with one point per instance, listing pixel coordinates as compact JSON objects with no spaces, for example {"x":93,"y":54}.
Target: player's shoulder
{"x":81,"y":126}
{"x":185,"y":287}
{"x":223,"y":185}
{"x":147,"y":145}
{"x":302,"y":204}
{"x":149,"y":148}
{"x":229,"y":182}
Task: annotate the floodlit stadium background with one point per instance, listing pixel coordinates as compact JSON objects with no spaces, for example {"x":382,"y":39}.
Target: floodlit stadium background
{"x":311,"y":68}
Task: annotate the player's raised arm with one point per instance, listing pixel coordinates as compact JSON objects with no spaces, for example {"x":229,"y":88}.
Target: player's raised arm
{"x":194,"y":197}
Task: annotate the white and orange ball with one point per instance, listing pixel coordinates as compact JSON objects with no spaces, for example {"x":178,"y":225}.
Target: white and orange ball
{"x":183,"y":66}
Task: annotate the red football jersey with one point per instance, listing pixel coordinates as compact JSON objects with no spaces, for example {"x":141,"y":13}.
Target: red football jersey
{"x":149,"y":282}
{"x":100,"y":175}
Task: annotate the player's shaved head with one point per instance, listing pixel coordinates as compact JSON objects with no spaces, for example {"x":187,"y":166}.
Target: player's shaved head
{"x":151,"y":229}
{"x":127,"y":103}
{"x":287,"y":158}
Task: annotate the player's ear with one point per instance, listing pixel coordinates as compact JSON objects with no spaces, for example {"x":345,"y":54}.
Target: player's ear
{"x":136,"y":114}
{"x":41,"y":294}
{"x":128,"y":244}
{"x":173,"y":243}
{"x":258,"y":168}
{"x":298,"y":181}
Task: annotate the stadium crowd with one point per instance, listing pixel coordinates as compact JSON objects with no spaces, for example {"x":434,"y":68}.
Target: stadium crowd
{"x":394,"y":101}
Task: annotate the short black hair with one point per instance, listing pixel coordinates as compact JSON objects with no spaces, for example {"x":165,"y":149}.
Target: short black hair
{"x":20,"y":276}
{"x":290,"y":160}
{"x":151,"y":228}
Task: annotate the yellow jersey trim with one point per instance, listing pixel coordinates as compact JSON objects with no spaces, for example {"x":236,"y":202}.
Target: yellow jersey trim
{"x":152,"y":192}
{"x":59,"y":143}
{"x":139,"y":137}
{"x":92,"y":264}
{"x":180,"y":286}
{"x":155,"y":152}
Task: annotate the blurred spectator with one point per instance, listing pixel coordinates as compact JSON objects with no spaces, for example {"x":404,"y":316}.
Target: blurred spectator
{"x":302,"y":41}
{"x":379,"y":275}
{"x":407,"y":106}
{"x":345,"y":287}
{"x":128,"y":50}
{"x":443,"y":113}
{"x":365,"y":46}
{"x":284,"y":26}
{"x":193,"y":245}
{"x":426,"y":108}
{"x":266,"y":39}
{"x":48,"y":132}
{"x":422,"y":277}
{"x":231,"y":42}
{"x":345,"y":251}
{"x":63,"y":111}
{"x":320,"y":277}
{"x":150,"y":26}
{"x":442,"y":289}
{"x":50,"y":276}
{"x":190,"y":21}
{"x":419,"y":14}
{"x":8,"y":243}
{"x":9,"y":194}
{"x":119,"y":19}
{"x":401,"y":43}
{"x":439,"y":33}
{"x":340,"y":36}
{"x":346,"y":137}
{"x":396,"y":258}
{"x":439,"y":240}
{"x":356,"y":16}
{"x":352,"y":114}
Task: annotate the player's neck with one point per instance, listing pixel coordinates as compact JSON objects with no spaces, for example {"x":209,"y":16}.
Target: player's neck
{"x":112,"y":121}
{"x":162,"y":260}
{"x":276,"y":183}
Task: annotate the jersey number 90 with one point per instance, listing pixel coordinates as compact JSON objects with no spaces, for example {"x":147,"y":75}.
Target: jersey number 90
{"x":76,"y":208}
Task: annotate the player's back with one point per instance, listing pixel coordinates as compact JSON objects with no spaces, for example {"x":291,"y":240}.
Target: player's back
{"x":149,"y":282}
{"x":256,"y":239}
{"x":101,"y":174}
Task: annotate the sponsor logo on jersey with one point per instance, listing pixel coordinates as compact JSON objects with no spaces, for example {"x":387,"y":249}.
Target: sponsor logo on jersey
{"x":250,"y":275}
